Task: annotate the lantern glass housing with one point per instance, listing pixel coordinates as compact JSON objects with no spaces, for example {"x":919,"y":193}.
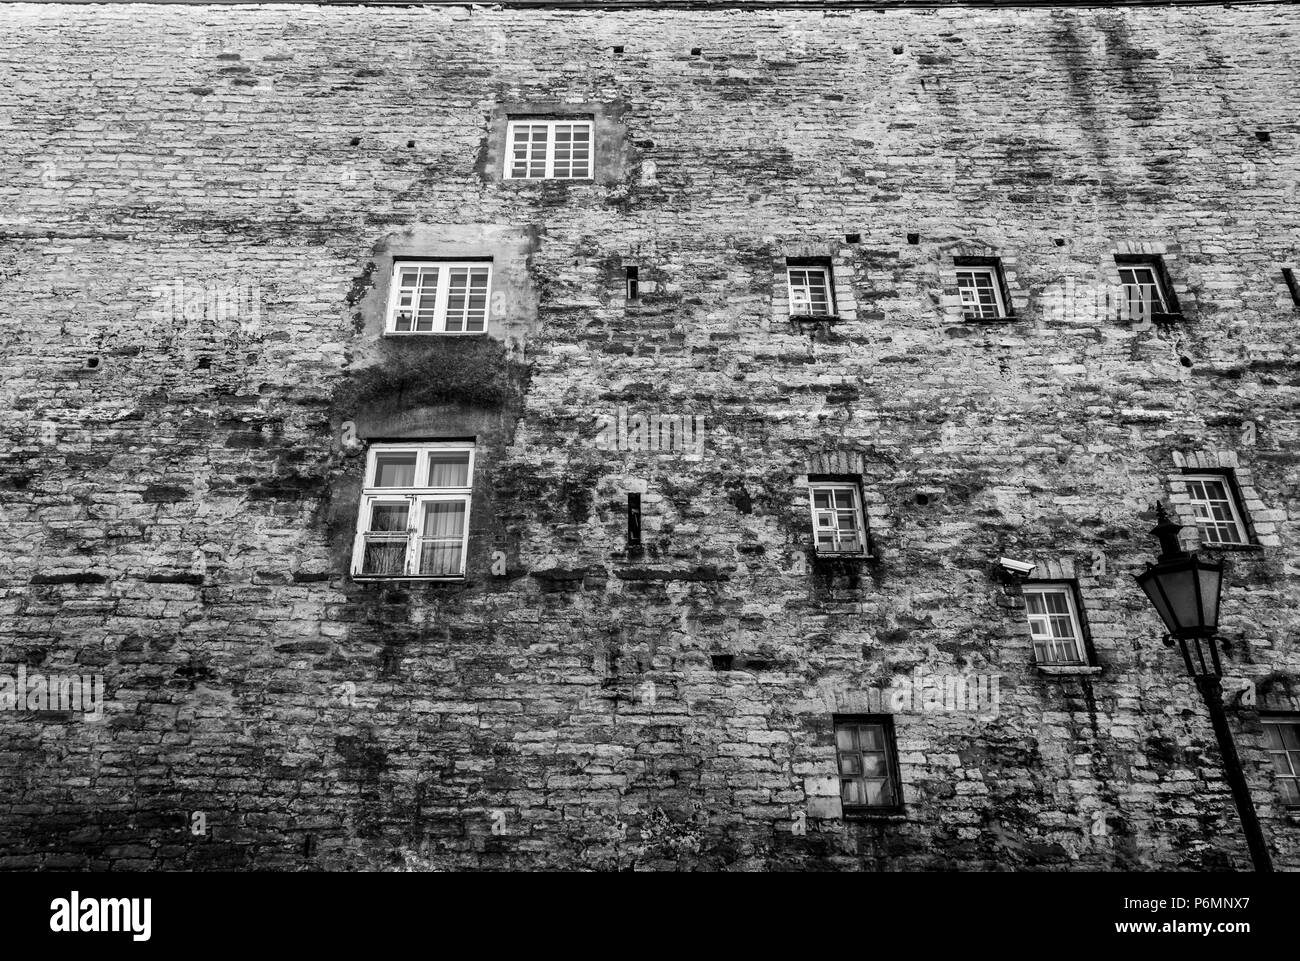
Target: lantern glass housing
{"x":1185,"y":593}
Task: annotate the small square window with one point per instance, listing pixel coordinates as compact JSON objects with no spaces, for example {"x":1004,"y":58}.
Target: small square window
{"x":1054,"y":624}
{"x":1144,"y":293}
{"x":1282,"y":741}
{"x":1219,"y":517}
{"x":550,"y":149}
{"x":839,"y":526}
{"x":866,"y":755}
{"x":811,"y":290}
{"x":414,"y":516}
{"x":981,"y":294}
{"x":439,"y":297}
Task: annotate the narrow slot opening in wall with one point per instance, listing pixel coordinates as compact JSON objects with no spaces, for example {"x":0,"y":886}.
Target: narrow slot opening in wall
{"x":633,"y":283}
{"x":1293,"y":285}
{"x":633,"y":520}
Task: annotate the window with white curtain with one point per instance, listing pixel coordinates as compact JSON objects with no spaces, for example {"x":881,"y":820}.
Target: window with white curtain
{"x":414,"y":518}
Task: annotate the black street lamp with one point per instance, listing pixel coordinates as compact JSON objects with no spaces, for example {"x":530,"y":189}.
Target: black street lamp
{"x":1184,"y":589}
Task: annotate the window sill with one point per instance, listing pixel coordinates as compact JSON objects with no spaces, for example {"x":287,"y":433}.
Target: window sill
{"x":815,"y":318}
{"x":875,"y":814}
{"x":1068,"y":670}
{"x":989,"y":320}
{"x":1239,"y":548}
{"x":434,"y":333}
{"x":580,"y":181}
{"x":402,"y":579}
{"x":828,"y":558}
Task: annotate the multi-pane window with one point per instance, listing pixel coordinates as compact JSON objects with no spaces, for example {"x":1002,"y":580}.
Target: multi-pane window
{"x":1142,"y":293}
{"x":438,"y":297}
{"x":810,"y":291}
{"x":1218,"y":517}
{"x":1282,"y":740}
{"x":550,"y":149}
{"x":838,"y":523}
{"x":1054,"y":624}
{"x":981,"y":296}
{"x":414,"y":519}
{"x":866,"y":754}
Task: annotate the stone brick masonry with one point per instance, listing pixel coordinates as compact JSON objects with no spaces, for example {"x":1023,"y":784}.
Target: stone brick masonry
{"x":199,"y":207}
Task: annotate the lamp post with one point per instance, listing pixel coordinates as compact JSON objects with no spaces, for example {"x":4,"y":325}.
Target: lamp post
{"x":1184,"y":589}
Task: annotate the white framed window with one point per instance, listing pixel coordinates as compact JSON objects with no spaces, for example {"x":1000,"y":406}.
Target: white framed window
{"x":414,"y":516}
{"x":1142,"y":293}
{"x":1282,"y":741}
{"x":550,"y":149}
{"x":1054,"y":624}
{"x":1214,"y":504}
{"x":439,"y":297}
{"x":810,"y":291}
{"x":839,"y":526}
{"x":981,"y":293}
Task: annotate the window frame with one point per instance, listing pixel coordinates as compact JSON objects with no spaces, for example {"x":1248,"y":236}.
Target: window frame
{"x":893,"y":777}
{"x":442,"y":296}
{"x":828,"y":279}
{"x":995,"y":285}
{"x":508,"y":164}
{"x":1166,"y":303}
{"x":1293,"y":757}
{"x":824,"y":482}
{"x":417,"y":496}
{"x":1078,"y":622}
{"x":1233,"y":500}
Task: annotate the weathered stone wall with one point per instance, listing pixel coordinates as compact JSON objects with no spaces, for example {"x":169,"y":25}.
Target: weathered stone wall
{"x":179,"y":482}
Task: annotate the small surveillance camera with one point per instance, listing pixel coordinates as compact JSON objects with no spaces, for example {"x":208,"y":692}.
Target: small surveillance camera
{"x":1022,"y":568}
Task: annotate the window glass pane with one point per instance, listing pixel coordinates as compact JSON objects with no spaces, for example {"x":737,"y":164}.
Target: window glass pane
{"x":850,"y":764}
{"x":873,"y":765}
{"x":871,"y":737}
{"x":394,"y":470}
{"x":1273,"y":736}
{"x":851,"y":792}
{"x":1290,"y":736}
{"x":876,"y":792}
{"x":388,"y":517}
{"x":449,"y":469}
{"x":844,"y":738}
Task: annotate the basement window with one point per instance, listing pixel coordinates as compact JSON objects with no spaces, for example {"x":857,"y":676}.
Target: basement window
{"x":550,"y":149}
{"x":839,"y":525}
{"x":1145,"y":294}
{"x":439,"y":297}
{"x":867,"y":755}
{"x":811,"y":292}
{"x":1219,"y":517}
{"x":1282,"y":741}
{"x":1055,"y":624}
{"x":414,"y":517}
{"x":982,"y":288}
